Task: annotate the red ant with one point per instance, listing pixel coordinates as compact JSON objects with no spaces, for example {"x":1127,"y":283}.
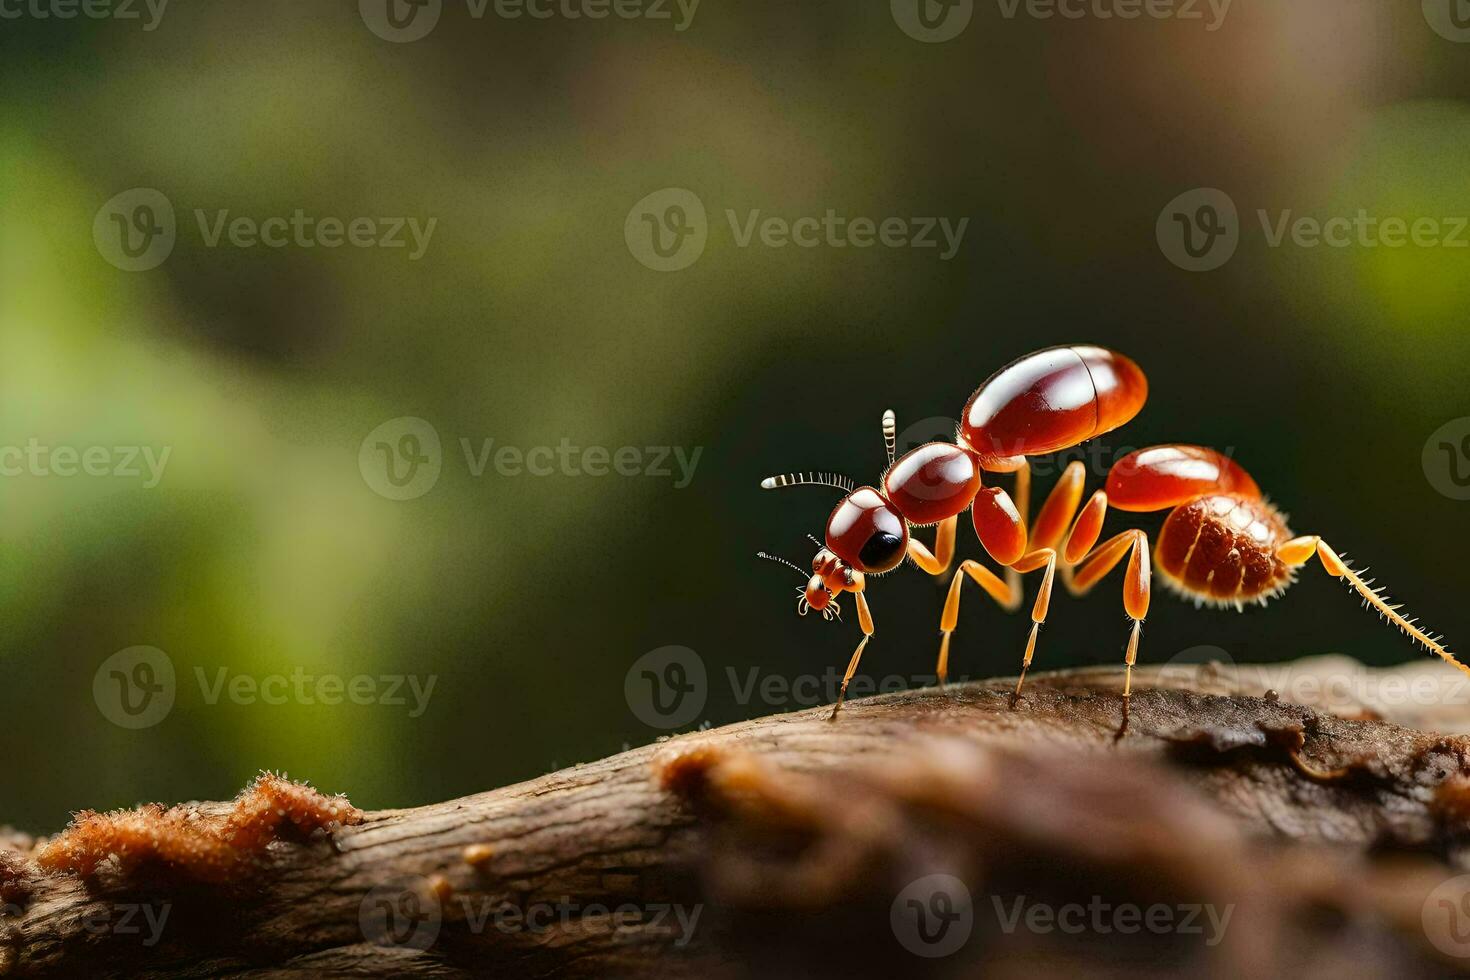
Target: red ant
{"x":1223,"y":543}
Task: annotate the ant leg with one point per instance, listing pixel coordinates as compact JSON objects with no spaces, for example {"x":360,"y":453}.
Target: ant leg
{"x":1084,"y":534}
{"x":1042,"y":557}
{"x":890,"y":434}
{"x":1086,"y":529}
{"x":865,"y":620}
{"x":1299,"y":551}
{"x":1023,"y":507}
{"x":936,"y":563}
{"x":998,"y":590}
{"x":1056,"y":514}
{"x":1137,"y":588}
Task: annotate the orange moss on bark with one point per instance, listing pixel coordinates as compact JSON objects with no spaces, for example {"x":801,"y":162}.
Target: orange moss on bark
{"x":197,"y":845}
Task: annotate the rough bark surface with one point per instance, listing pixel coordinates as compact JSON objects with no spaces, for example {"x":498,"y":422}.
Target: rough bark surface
{"x":794,"y":846}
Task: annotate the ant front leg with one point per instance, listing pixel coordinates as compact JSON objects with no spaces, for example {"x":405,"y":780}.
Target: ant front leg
{"x":865,"y":620}
{"x":1137,"y":588}
{"x":1002,"y":531}
{"x":1298,"y":551}
{"x":936,"y":563}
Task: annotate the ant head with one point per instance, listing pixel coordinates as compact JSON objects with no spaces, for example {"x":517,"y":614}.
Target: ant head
{"x":835,"y":575}
{"x":829,"y":577}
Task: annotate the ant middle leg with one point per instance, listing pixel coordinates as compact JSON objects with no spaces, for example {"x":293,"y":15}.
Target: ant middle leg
{"x":1137,"y":589}
{"x":996,"y":587}
{"x":1041,"y":558}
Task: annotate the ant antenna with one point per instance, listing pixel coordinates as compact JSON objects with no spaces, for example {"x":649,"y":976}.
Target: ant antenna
{"x":813,"y":539}
{"x":777,"y":558}
{"x":837,"y":480}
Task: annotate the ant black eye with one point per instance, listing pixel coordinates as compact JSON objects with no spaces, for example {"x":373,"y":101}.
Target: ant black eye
{"x":882,"y":551}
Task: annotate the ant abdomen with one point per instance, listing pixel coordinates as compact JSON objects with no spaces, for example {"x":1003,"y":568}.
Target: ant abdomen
{"x":1052,"y":400}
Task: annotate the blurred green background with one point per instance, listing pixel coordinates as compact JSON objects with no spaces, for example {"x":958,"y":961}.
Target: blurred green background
{"x":264,"y":549}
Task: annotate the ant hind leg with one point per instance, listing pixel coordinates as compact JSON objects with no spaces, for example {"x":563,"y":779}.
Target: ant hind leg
{"x":1137,"y":589}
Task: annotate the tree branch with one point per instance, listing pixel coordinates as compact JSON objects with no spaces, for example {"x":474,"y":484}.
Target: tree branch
{"x":790,"y":845}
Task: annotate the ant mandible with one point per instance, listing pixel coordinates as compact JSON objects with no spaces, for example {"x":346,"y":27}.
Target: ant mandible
{"x":1223,"y":543}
